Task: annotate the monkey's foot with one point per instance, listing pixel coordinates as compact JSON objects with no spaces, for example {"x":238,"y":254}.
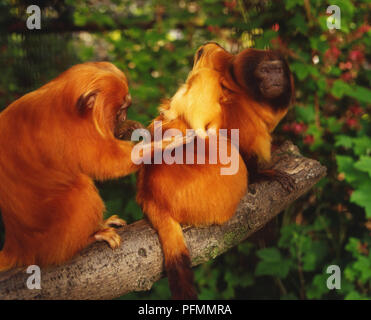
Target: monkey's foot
{"x":114,"y":221}
{"x":286,"y":181}
{"x":110,"y":236}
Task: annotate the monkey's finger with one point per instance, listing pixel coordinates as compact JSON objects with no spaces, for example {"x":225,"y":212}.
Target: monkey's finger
{"x":110,"y":236}
{"x":114,"y":221}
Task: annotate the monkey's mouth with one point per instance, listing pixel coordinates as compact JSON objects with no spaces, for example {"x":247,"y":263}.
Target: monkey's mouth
{"x":119,"y":122}
{"x":272,"y":90}
{"x":121,"y":115}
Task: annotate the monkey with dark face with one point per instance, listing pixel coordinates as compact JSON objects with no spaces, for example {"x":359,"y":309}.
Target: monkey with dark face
{"x":270,"y":76}
{"x":269,"y":85}
{"x":255,"y":89}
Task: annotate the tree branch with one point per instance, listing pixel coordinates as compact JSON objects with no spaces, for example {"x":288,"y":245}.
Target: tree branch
{"x":101,"y":273}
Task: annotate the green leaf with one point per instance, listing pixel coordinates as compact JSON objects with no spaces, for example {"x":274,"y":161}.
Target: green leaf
{"x":352,"y":175}
{"x":305,"y":114}
{"x":363,"y":266}
{"x":362,"y":197}
{"x":322,"y":84}
{"x":269,"y":254}
{"x":352,"y":246}
{"x":354,"y":295}
{"x":359,"y":93}
{"x":318,"y":286}
{"x":289,"y":4}
{"x":339,"y":88}
{"x":277,"y":269}
{"x":362,"y":145}
{"x":344,"y":141}
{"x":318,"y":44}
{"x":300,"y":69}
{"x":332,"y":124}
{"x":364,"y":164}
{"x":264,"y":40}
{"x":299,"y":23}
{"x":314,"y":255}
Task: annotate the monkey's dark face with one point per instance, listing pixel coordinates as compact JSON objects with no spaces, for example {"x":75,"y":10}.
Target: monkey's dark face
{"x":271,"y":78}
{"x":263,"y":74}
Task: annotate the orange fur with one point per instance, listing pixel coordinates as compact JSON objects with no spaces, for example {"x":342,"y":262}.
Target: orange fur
{"x":197,"y":194}
{"x":50,"y":152}
{"x":200,"y":196}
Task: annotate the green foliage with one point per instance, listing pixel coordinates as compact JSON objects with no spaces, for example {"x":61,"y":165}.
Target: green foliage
{"x":272,"y":263}
{"x":154,"y":42}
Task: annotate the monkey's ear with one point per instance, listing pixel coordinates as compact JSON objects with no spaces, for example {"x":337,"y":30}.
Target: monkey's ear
{"x":86,"y":101}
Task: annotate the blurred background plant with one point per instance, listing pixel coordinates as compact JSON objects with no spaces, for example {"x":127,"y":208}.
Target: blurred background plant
{"x":153,"y":42}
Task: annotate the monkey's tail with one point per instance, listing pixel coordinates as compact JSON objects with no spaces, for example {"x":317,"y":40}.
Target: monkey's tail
{"x":177,"y":260}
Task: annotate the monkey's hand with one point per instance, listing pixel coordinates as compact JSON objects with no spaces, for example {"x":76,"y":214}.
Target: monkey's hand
{"x":148,"y":148}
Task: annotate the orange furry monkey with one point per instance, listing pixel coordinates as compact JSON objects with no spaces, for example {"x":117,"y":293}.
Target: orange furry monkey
{"x":53,"y":142}
{"x":254,"y":90}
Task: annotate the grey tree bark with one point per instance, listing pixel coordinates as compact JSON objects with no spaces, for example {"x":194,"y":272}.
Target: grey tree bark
{"x":101,"y":273}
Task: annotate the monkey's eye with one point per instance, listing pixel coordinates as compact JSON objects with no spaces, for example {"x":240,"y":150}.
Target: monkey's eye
{"x":199,"y":54}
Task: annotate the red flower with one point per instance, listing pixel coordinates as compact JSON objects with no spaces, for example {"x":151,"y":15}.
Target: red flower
{"x":356,"y":110}
{"x":352,"y":123}
{"x":298,"y":128}
{"x":332,"y":53}
{"x":346,"y":65}
{"x":356,"y":55}
{"x":308,"y":139}
{"x":361,"y":30}
{"x":364,"y":28}
{"x":276,"y":27}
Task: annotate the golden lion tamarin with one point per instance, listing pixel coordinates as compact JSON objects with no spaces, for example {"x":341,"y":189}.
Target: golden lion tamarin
{"x":191,"y":102}
{"x":193,"y":99}
{"x":253,"y":90}
{"x":53,"y":142}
